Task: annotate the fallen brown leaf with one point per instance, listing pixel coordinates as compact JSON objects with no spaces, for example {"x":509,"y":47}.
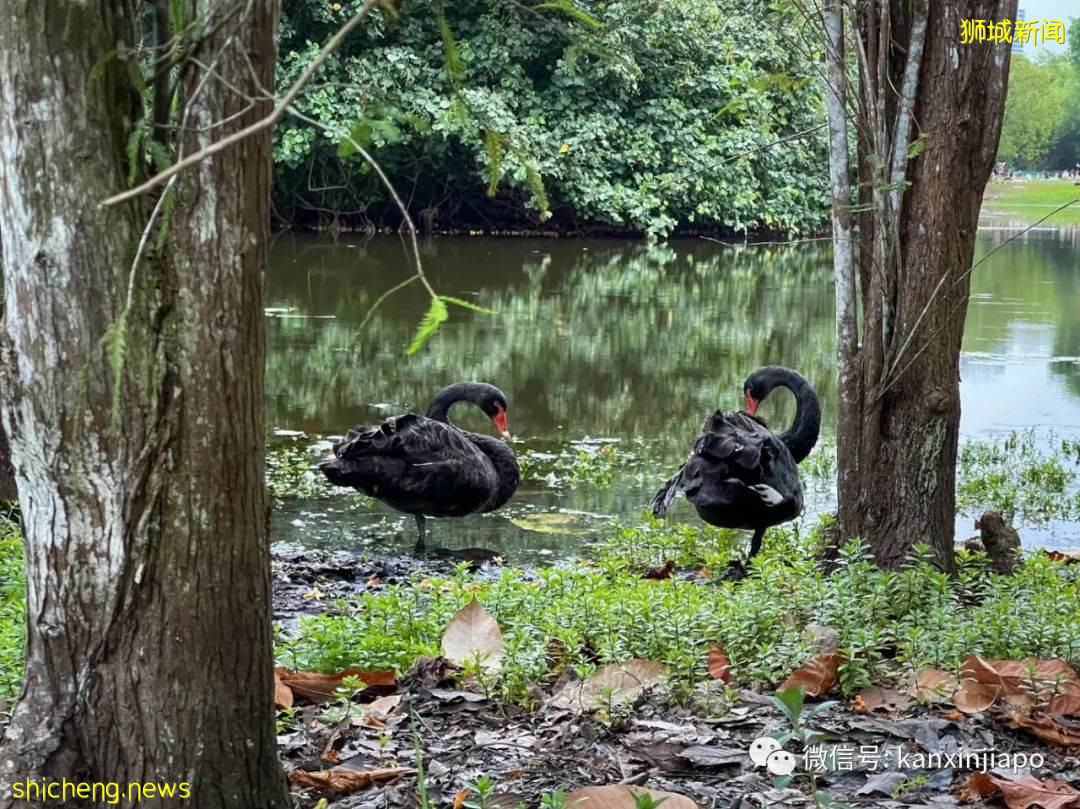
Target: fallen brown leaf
{"x":283,"y":696}
{"x":318,"y":688}
{"x":817,"y":676}
{"x":376,"y":712}
{"x":618,"y":796}
{"x":984,"y":682}
{"x":1013,"y":673}
{"x":339,"y":781}
{"x":473,"y":636}
{"x":460,"y":798}
{"x":718,"y":664}
{"x":1048,"y":728}
{"x":427,"y":672}
{"x":975,"y":697}
{"x":613,"y":684}
{"x":1022,"y":793}
{"x":934,"y":686}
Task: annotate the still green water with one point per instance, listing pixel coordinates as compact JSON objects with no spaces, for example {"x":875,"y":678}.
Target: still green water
{"x":609,"y":342}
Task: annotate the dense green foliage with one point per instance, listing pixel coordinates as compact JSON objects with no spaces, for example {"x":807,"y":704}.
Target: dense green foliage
{"x":1036,"y":112}
{"x":633,"y":115}
{"x":1041,"y":129}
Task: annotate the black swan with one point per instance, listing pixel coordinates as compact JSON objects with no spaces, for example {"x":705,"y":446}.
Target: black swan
{"x":427,"y":467}
{"x":740,"y":474}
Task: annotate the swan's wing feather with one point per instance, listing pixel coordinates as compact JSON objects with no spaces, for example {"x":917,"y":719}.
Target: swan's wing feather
{"x":416,"y":465}
{"x":417,"y":439}
{"x":663,"y":499}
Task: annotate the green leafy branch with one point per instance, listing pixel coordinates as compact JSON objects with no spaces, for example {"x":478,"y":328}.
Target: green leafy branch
{"x":436,"y":315}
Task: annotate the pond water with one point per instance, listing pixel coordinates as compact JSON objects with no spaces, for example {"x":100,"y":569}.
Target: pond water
{"x":613,"y":343}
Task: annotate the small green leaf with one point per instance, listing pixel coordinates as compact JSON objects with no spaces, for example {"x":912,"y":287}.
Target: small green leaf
{"x":790,"y":701}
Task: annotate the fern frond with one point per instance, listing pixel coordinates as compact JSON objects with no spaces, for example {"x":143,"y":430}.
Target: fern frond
{"x":455,"y":69}
{"x":115,"y":343}
{"x":494,"y":143}
{"x":568,"y":8}
{"x":536,"y":186}
{"x":467,"y":305}
{"x":436,"y":315}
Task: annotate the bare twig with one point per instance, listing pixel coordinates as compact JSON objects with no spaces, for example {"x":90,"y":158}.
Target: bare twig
{"x":371,"y":161}
{"x":269,"y":120}
{"x":889,"y":382}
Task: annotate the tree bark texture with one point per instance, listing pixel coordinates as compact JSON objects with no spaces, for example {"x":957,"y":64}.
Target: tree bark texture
{"x":136,"y":424}
{"x":898,"y":442}
{"x":7,"y":474}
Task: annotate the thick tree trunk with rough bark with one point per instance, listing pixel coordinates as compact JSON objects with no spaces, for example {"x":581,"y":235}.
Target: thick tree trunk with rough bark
{"x":136,"y":420}
{"x":897,"y":460}
{"x":7,"y":474}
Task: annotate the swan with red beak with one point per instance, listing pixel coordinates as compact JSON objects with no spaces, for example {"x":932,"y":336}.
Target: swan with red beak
{"x":739,"y":473}
{"x":428,"y":467}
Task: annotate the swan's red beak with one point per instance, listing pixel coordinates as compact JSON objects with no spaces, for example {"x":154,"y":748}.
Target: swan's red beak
{"x":751,"y":403}
{"x":500,"y":423}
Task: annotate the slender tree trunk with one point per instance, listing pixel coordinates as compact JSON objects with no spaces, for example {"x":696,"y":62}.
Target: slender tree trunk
{"x":847,"y":328}
{"x":918,"y":86}
{"x":136,"y":422}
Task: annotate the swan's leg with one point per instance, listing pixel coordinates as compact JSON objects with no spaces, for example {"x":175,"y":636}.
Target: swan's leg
{"x":420,"y":534}
{"x":755,"y":542}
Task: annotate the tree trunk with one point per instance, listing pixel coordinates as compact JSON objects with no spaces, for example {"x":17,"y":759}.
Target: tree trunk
{"x":8,"y":491}
{"x":898,"y":455}
{"x":136,"y":420}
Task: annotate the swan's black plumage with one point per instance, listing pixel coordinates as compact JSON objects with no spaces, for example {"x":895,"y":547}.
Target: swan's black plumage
{"x":427,"y":467}
{"x":739,"y":473}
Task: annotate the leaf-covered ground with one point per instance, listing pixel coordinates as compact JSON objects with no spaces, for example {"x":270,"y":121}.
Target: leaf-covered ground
{"x":625,"y":670}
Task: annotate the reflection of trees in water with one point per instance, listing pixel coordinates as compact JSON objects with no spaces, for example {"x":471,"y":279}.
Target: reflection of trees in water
{"x":1035,"y":279}
{"x":621,"y":339}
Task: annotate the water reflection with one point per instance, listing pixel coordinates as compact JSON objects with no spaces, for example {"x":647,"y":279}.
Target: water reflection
{"x":625,"y":342}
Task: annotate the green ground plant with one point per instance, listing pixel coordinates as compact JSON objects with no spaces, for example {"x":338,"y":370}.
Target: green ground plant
{"x":889,"y":624}
{"x":12,"y":610}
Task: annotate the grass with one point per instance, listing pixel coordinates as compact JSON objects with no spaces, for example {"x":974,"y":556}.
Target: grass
{"x":1027,"y":202}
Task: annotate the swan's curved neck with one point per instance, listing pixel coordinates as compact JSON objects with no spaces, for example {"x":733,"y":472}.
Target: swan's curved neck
{"x":801,"y":436}
{"x":439,"y":409}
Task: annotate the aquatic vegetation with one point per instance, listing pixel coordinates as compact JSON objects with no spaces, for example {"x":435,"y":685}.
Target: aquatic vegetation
{"x":291,"y":467}
{"x":1029,"y":476}
{"x":583,"y":464}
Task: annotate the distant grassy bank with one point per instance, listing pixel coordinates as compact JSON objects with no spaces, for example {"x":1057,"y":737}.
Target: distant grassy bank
{"x":1027,"y":202}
